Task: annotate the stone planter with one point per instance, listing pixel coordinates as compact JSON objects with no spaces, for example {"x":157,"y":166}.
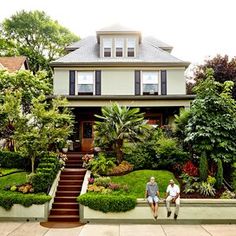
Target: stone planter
{"x":192,"y":211}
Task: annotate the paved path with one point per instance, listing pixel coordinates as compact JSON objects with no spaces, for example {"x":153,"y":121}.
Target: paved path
{"x":35,"y":229}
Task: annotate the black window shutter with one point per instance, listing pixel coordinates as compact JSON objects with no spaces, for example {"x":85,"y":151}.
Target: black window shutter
{"x":97,"y":82}
{"x":72,"y":82}
{"x":163,"y":83}
{"x":137,"y":82}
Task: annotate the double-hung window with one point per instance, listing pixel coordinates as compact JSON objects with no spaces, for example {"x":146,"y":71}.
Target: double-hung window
{"x":107,"y":46}
{"x":119,"y":46}
{"x":150,"y":82}
{"x":85,"y":83}
{"x":131,"y":47}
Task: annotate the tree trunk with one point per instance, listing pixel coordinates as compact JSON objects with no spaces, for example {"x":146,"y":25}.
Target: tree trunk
{"x":119,"y":153}
{"x":32,"y":164}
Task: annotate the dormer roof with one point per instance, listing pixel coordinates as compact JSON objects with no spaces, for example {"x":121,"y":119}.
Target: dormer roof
{"x":117,"y":29}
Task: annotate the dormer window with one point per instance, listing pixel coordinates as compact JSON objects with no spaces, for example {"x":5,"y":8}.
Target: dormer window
{"x":131,"y":47}
{"x":119,"y":46}
{"x":107,"y":46}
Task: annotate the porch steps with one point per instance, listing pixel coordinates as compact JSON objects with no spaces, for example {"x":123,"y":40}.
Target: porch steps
{"x":65,"y":207}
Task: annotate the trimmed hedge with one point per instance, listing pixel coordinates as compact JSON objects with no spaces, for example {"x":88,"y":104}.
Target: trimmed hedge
{"x":13,"y":160}
{"x":8,"y":199}
{"x":107,"y":202}
{"x":46,"y":173}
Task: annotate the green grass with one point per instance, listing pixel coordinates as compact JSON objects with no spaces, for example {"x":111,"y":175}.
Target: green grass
{"x":13,"y":179}
{"x":137,"y":180}
{"x":6,"y":171}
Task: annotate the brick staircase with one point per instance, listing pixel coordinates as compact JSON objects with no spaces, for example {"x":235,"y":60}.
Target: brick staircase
{"x":65,"y":208}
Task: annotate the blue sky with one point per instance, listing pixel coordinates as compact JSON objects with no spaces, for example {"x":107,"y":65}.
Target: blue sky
{"x":197,"y":29}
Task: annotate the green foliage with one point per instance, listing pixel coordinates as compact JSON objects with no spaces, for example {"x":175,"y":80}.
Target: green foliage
{"x":169,"y":153}
{"x":45,"y":173}
{"x":189,"y":183}
{"x":8,"y":199}
{"x":211,"y":127}
{"x":38,"y":37}
{"x":234,"y":176}
{"x":211,"y":180}
{"x":219,"y":174}
{"x":101,"y":165}
{"x":119,"y":124}
{"x":13,"y":160}
{"x":227,"y":195}
{"x":206,"y":189}
{"x":203,"y":167}
{"x":102,"y":181}
{"x":46,"y":127}
{"x":107,"y":202}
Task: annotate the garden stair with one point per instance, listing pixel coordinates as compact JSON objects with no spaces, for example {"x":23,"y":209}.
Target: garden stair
{"x":65,"y":207}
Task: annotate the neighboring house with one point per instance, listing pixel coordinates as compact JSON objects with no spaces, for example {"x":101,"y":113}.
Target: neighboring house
{"x":13,"y":64}
{"x":118,"y":65}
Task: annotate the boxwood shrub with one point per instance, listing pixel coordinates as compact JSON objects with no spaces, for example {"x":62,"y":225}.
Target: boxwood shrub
{"x":13,"y":160}
{"x":45,"y":173}
{"x":107,"y":202}
{"x":8,"y":199}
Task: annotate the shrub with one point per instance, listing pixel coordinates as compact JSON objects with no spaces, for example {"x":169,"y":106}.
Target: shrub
{"x":203,"y":167}
{"x":107,"y":203}
{"x":13,"y":160}
{"x":45,"y":173}
{"x":211,"y":180}
{"x":169,"y":153}
{"x":219,"y":174}
{"x":101,"y":165}
{"x":227,"y":195}
{"x":206,"y":189}
{"x":190,"y":183}
{"x":8,"y":199}
{"x":123,"y":168}
{"x":234,"y":176}
{"x":102,"y":181}
{"x":190,"y":169}
{"x":114,"y":187}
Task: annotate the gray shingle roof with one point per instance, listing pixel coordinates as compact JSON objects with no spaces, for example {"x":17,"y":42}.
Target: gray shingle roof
{"x":150,"y":51}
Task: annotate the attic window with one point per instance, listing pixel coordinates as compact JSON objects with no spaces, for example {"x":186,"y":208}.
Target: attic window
{"x":119,"y":45}
{"x":131,"y":47}
{"x":107,"y":45}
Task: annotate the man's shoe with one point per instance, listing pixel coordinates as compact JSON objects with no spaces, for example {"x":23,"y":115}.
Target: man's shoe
{"x":175,"y":217}
{"x":168,"y":213}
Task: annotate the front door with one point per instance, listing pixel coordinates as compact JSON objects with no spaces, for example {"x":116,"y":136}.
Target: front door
{"x":87,"y":136}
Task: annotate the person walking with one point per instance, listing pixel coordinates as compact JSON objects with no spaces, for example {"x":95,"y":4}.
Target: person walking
{"x":152,"y":195}
{"x":172,"y":195}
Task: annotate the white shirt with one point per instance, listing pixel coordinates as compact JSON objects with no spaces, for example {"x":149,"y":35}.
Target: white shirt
{"x":172,"y":191}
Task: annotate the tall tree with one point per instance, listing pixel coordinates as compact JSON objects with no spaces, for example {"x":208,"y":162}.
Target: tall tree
{"x":38,"y":37}
{"x":224,"y":70}
{"x":211,"y":125}
{"x":119,"y":124}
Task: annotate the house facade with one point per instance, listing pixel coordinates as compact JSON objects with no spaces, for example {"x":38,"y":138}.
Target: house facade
{"x":119,"y":65}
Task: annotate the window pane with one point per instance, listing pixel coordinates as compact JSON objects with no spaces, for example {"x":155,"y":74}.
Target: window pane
{"x":119,"y":43}
{"x":87,"y":130}
{"x":119,"y":52}
{"x":150,"y":77}
{"x":107,"y":43}
{"x":85,"y":88}
{"x":130,"y":52}
{"x":107,"y":52}
{"x":85,"y":77}
{"x":131,"y":43}
{"x":150,"y":88}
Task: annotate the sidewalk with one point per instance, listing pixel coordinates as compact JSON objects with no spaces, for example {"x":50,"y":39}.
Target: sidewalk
{"x":35,"y":229}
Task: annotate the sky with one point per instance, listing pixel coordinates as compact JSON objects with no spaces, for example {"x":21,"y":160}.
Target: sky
{"x":197,"y":29}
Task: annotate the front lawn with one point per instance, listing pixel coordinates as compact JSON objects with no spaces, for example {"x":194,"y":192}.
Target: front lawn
{"x":13,"y":179}
{"x":7,"y":171}
{"x":137,"y":180}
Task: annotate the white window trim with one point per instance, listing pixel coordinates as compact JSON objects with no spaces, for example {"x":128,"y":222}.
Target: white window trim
{"x":111,"y":47}
{"x":123,"y":47}
{"x":158,"y":80}
{"x":77,"y":78}
{"x":127,"y":46}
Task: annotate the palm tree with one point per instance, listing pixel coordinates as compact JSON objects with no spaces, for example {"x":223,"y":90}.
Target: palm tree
{"x":119,"y":124}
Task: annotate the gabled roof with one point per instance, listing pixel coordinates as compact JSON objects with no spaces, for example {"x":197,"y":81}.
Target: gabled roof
{"x":117,"y":29}
{"x":87,"y":51}
{"x":14,"y":63}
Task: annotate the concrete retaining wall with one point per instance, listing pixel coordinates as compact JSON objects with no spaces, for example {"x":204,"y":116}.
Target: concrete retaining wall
{"x":192,"y":211}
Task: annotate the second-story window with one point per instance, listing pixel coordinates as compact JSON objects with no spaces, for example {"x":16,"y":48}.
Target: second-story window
{"x":131,"y":47}
{"x":119,"y":46}
{"x":85,"y":83}
{"x":107,"y":46}
{"x":150,"y":82}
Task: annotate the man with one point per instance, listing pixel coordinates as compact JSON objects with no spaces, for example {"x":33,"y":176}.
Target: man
{"x":152,"y":194}
{"x":172,"y":195}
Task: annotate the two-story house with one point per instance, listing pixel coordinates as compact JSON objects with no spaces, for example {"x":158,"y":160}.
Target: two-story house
{"x":119,"y":65}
